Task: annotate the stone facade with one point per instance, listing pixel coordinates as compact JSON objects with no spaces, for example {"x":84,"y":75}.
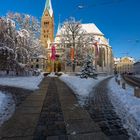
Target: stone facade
{"x":124,"y":64}
{"x":103,"y":60}
{"x":47,"y":25}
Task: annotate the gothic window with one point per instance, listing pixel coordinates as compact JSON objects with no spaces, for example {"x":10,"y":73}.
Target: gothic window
{"x":37,"y":66}
{"x":46,"y":24}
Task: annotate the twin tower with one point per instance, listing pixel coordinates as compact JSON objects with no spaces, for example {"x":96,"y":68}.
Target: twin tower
{"x":47,"y":25}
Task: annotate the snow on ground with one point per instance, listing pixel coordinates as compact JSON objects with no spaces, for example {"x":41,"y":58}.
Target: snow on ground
{"x":7,"y":107}
{"x":30,"y":82}
{"x":126,"y":105}
{"x":81,"y":87}
{"x":52,"y":74}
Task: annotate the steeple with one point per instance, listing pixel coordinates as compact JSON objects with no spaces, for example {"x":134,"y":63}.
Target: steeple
{"x":59,"y":27}
{"x":47,"y":25}
{"x":48,"y":7}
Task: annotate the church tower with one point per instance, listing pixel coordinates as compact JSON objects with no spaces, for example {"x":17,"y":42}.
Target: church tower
{"x":47,"y":25}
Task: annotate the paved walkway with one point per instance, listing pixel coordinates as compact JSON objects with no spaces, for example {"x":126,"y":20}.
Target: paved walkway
{"x":51,"y":113}
{"x":103,"y":113}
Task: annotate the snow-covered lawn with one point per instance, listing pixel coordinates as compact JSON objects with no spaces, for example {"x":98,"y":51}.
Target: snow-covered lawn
{"x":81,"y":87}
{"x":30,"y":82}
{"x":7,"y":107}
{"x":127,"y":106}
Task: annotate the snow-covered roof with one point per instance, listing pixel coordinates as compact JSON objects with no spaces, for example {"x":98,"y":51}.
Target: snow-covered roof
{"x":40,"y":57}
{"x":130,"y":58}
{"x":138,"y":62}
{"x":48,"y":6}
{"x":116,"y":59}
{"x":91,"y":28}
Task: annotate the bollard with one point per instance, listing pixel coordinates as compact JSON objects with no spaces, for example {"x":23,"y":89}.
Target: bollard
{"x":137,"y":92}
{"x":116,"y":80}
{"x":123,"y":85}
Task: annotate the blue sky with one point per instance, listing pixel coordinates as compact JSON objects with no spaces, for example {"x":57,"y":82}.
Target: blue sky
{"x":119,"y":20}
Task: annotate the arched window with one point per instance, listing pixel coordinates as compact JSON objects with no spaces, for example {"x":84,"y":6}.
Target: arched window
{"x":37,"y":66}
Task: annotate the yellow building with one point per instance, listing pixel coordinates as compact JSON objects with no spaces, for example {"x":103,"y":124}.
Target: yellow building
{"x":124,"y":65}
{"x":47,"y":31}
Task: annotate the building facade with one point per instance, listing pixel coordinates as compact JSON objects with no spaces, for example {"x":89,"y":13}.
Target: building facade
{"x":136,"y":68}
{"x":98,"y":46}
{"x":124,"y":64}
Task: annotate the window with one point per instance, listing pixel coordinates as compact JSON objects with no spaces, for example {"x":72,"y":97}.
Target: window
{"x":37,"y":60}
{"x":37,"y":66}
{"x":46,"y":23}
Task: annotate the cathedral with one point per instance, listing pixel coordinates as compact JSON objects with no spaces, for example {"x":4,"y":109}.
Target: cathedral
{"x":104,"y":57}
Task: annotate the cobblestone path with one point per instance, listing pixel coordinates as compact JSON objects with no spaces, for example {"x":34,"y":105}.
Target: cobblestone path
{"x":102,"y":112}
{"x":51,"y":121}
{"x":51,"y":113}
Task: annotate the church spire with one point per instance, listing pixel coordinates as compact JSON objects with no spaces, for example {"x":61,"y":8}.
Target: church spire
{"x":48,"y":7}
{"x":59,"y":26}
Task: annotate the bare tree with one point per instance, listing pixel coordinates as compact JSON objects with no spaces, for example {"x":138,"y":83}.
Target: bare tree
{"x":73,"y":36}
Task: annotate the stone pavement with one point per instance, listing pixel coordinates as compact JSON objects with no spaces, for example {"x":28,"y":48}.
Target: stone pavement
{"x":51,"y":113}
{"x":103,"y":113}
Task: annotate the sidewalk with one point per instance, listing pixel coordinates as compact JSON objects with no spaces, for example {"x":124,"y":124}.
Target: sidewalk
{"x":79,"y":125}
{"x":24,"y":123}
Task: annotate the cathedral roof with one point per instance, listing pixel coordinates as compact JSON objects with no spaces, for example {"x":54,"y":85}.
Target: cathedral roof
{"x":48,"y":7}
{"x":90,"y":28}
